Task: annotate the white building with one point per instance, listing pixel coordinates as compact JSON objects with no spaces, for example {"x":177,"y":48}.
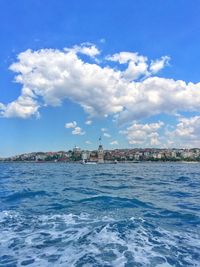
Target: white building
{"x":85,"y":155}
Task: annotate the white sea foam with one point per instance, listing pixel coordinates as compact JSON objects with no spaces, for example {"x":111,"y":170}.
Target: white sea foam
{"x":68,"y":239}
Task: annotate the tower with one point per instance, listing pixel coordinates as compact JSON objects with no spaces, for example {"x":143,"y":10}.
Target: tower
{"x":100,"y":154}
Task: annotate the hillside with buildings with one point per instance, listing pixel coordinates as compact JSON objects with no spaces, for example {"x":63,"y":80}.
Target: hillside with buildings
{"x":116,"y":155}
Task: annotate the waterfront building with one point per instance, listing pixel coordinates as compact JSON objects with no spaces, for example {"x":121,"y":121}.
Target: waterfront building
{"x":137,"y":157}
{"x":40,"y":157}
{"x":187,"y":154}
{"x":159,"y":156}
{"x":85,"y":155}
{"x":173,"y":153}
{"x":93,"y":156}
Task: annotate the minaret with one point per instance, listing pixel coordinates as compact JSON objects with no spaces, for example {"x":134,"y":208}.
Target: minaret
{"x":100,"y":153}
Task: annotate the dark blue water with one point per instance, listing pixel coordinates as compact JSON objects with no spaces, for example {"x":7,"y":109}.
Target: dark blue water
{"x":100,"y":215}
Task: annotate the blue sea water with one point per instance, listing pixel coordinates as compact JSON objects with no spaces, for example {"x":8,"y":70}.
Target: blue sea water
{"x":145,"y":214}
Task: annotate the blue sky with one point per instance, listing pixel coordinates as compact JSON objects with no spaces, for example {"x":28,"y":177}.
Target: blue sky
{"x":71,"y":67}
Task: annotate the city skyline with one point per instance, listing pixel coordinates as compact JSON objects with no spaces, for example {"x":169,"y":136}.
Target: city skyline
{"x":131,"y":78}
{"x":99,"y":155}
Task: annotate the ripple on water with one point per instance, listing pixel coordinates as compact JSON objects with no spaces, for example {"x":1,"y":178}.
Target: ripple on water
{"x":121,"y":215}
{"x":24,"y":194}
{"x":75,"y":240}
{"x":182,"y":179}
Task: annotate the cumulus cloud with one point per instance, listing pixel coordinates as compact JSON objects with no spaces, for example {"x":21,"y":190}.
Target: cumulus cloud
{"x":186,"y":133}
{"x":24,"y":106}
{"x":125,"y":57}
{"x":159,"y":95}
{"x":76,"y":130}
{"x":159,"y":64}
{"x":114,"y":143}
{"x":88,"y":142}
{"x":72,"y":124}
{"x":137,"y":65}
{"x":54,"y":75}
{"x":85,"y":48}
{"x":127,"y":90}
{"x":143,"y":134}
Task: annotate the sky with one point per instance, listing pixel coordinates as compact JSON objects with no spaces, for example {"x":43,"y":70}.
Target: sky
{"x":72,"y":71}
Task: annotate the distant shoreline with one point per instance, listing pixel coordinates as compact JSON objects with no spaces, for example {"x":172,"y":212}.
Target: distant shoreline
{"x":132,"y":155}
{"x":107,"y":163}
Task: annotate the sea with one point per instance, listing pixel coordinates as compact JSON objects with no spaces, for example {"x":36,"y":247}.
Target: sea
{"x":62,"y":214}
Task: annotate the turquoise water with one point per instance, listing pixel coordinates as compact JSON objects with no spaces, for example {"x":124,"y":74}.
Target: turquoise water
{"x":144,"y":214}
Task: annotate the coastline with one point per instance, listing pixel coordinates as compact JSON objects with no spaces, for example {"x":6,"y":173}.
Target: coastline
{"x":105,"y":163}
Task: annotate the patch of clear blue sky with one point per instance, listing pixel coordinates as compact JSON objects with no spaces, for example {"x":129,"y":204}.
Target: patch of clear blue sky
{"x":153,"y":28}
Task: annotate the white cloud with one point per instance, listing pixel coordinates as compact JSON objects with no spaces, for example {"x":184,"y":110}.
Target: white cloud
{"x":137,"y":65}
{"x":106,"y":135}
{"x":143,"y":134}
{"x":24,"y":106}
{"x":78,"y":131}
{"x":85,"y":48}
{"x":88,"y":142}
{"x":159,"y":64}
{"x":49,"y":77}
{"x":186,"y":133}
{"x":2,"y":106}
{"x":159,"y":95}
{"x":125,"y":57}
{"x":89,"y":122}
{"x":114,"y":143}
{"x":72,"y":124}
{"x":54,"y":75}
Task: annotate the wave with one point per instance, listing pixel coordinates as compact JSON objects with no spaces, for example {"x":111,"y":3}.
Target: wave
{"x":111,"y":187}
{"x":82,"y":190}
{"x":120,"y":215}
{"x":180,"y":216}
{"x":178,"y":194}
{"x":82,"y":240}
{"x":118,"y":202}
{"x":183,"y":179}
{"x":25,"y":194}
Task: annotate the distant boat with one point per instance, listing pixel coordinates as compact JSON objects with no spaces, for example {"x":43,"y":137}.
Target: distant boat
{"x":89,"y":162}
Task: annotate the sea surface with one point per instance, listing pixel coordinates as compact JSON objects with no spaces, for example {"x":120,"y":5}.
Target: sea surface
{"x":145,"y":214}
